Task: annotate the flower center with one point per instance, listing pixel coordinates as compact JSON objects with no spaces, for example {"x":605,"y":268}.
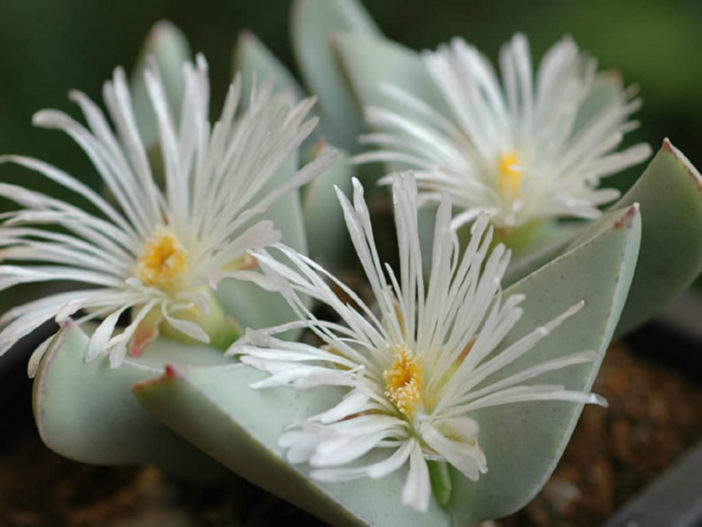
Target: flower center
{"x":403,"y":381}
{"x":162,"y":261}
{"x":509,"y":178}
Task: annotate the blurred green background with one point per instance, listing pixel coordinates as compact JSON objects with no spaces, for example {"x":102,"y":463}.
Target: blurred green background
{"x":50,"y":46}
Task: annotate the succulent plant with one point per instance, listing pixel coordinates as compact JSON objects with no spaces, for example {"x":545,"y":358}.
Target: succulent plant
{"x":186,"y":406}
{"x":215,"y":408}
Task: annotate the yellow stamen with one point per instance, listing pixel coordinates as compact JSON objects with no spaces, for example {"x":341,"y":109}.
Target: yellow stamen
{"x":509,"y":178}
{"x":403,"y":381}
{"x":162,"y":261}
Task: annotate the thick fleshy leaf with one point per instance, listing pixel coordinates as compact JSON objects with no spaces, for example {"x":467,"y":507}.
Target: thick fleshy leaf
{"x":257,"y":64}
{"x":370,"y":62}
{"x":85,"y":411}
{"x":253,"y":307}
{"x":552,"y":244}
{"x":324,"y":219}
{"x":523,"y":442}
{"x":670,"y":194}
{"x":215,"y":409}
{"x":168,"y":46}
{"x":312,"y":25}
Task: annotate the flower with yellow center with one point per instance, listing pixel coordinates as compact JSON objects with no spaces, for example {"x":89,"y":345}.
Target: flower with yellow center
{"x":174,"y":229}
{"x":532,"y":147}
{"x":416,"y":367}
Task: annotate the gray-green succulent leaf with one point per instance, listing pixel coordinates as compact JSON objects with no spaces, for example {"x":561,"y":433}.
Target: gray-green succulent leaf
{"x":85,"y":410}
{"x":313,"y":26}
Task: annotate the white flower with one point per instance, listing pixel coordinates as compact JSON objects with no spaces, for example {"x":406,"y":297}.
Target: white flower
{"x":415,"y":367}
{"x":154,"y":251}
{"x":535,"y":147}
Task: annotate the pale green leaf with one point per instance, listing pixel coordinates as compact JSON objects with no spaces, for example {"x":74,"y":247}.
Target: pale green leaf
{"x":371,"y":62}
{"x":312,"y":25}
{"x":523,"y":442}
{"x":257,"y":64}
{"x":552,"y":244}
{"x":670,"y":195}
{"x":86,"y":411}
{"x":254,"y":307}
{"x":168,"y":46}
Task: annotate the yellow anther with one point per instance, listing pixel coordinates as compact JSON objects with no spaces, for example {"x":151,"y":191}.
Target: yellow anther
{"x":162,"y":261}
{"x":403,"y":381}
{"x":509,"y":178}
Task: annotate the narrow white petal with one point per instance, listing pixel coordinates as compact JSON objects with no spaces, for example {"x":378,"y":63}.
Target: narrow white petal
{"x":464,"y":456}
{"x":416,"y":492}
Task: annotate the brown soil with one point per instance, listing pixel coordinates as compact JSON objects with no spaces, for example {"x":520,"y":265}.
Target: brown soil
{"x":653,"y":417}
